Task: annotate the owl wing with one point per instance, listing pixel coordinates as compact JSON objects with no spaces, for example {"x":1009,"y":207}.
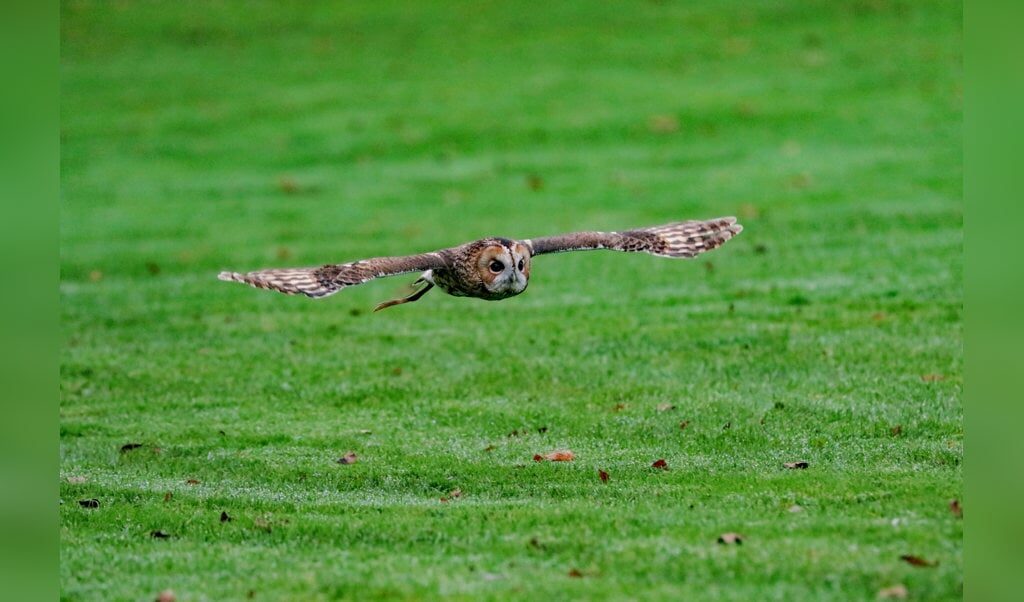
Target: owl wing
{"x":329,"y":279}
{"x":678,"y":239}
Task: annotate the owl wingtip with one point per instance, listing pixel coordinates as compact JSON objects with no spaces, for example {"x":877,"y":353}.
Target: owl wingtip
{"x":229,"y":276}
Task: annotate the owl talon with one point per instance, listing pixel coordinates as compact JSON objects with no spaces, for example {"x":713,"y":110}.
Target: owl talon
{"x":413,"y":297}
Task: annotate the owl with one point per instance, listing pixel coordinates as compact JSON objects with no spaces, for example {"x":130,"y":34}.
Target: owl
{"x":489,"y":268}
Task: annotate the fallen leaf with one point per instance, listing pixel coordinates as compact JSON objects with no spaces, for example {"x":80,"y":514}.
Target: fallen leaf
{"x":575,"y":573}
{"x":918,"y":561}
{"x":666,"y":407}
{"x":931,"y":378}
{"x":795,"y":465}
{"x":661,"y":463}
{"x":684,"y":423}
{"x":349,"y":458}
{"x":192,"y":481}
{"x":166,"y":596}
{"x":730,"y":538}
{"x":168,"y":496}
{"x":158,"y":534}
{"x":489,"y":448}
{"x":560,"y":455}
{"x":894,"y":592}
{"x":444,"y":500}
{"x":130,"y":446}
{"x":603,"y":475}
{"x":956,"y":508}
{"x":77,"y":479}
{"x":288,"y":185}
{"x":93,"y":503}
{"x":896,"y":431}
{"x":878,"y":316}
{"x":619,"y":407}
{"x":663,"y":124}
{"x":224,"y":518}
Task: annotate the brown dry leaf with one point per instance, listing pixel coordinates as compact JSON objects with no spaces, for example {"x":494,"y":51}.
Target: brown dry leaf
{"x":93,"y":503}
{"x":166,"y":596}
{"x":918,"y":561}
{"x":956,"y":508}
{"x":666,"y":407}
{"x":158,"y":534}
{"x":683,"y":424}
{"x":660,"y":463}
{"x":192,"y":481}
{"x":349,"y":458}
{"x":800,"y":465}
{"x":559,"y":455}
{"x":603,"y":475}
{"x":489,"y":448}
{"x":730,"y":538}
{"x":931,"y":378}
{"x":575,"y":573}
{"x":444,"y":500}
{"x":893,"y":592}
{"x":77,"y":479}
{"x":619,"y":407}
{"x":288,"y":185}
{"x":168,"y":496}
{"x":896,"y":431}
{"x":663,"y":124}
{"x":224,"y":518}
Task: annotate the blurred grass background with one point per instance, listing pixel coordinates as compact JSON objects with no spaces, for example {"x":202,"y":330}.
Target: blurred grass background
{"x":242,"y":136}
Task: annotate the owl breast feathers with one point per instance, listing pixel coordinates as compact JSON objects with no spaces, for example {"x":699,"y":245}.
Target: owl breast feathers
{"x":490,"y":268}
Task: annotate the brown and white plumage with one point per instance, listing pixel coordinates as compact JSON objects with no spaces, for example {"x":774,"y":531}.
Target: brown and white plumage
{"x":490,"y":268}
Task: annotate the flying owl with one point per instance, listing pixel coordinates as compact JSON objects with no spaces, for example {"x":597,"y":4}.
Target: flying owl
{"x":489,"y":268}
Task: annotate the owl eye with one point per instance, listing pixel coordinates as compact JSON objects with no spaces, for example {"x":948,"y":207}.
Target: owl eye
{"x":521,"y":263}
{"x":496,"y":266}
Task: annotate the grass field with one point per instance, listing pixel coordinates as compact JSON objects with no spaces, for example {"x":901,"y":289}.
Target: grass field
{"x":206,"y":419}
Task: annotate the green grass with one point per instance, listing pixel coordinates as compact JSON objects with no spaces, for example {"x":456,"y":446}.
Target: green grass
{"x":241,"y":136}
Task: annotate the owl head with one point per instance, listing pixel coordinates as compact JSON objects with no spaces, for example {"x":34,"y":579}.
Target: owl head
{"x":503,"y":266}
